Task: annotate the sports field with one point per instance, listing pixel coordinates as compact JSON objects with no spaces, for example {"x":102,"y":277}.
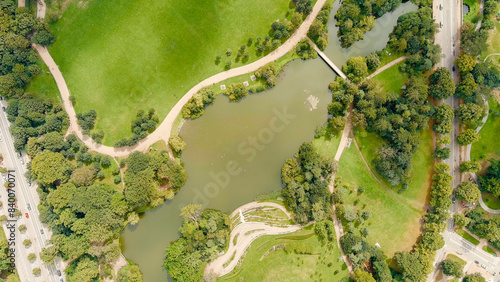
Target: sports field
{"x":121,"y":56}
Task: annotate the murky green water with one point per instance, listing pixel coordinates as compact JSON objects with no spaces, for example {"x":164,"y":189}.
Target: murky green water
{"x":235,"y":150}
{"x":375,"y":39}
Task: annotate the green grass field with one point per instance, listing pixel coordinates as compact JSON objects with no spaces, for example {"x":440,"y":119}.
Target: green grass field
{"x":491,"y":201}
{"x":493,"y":42}
{"x":489,"y":250}
{"x":467,"y":236}
{"x":487,"y":147}
{"x":391,"y":80}
{"x":121,"y":56}
{"x":473,"y":12}
{"x":395,"y":222}
{"x":327,"y":146}
{"x":456,"y":259}
{"x":422,"y":164}
{"x":44,"y":86}
{"x":282,"y":266}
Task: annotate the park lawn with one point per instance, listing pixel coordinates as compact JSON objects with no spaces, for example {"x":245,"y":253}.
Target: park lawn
{"x":489,"y":250}
{"x":282,"y":266}
{"x":395,"y":221}
{"x":467,"y":236}
{"x":43,"y":85}
{"x":422,"y":164}
{"x":327,"y":146}
{"x":493,"y":42}
{"x":491,"y":201}
{"x":473,"y":12}
{"x":487,"y":147}
{"x":119,"y":57}
{"x":391,"y":80}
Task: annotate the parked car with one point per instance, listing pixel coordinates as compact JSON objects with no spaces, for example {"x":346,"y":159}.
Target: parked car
{"x":27,"y":215}
{"x":453,"y":200}
{"x":441,"y":25}
{"x":41,"y":231}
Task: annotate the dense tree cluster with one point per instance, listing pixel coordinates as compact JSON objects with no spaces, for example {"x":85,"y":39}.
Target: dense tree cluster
{"x":473,"y":42}
{"x":398,"y":120}
{"x":359,"y":251}
{"x":141,"y":189}
{"x":318,"y":32}
{"x":491,"y":181}
{"x":355,"y":18}
{"x":19,"y":62}
{"x":142,"y":125}
{"x":413,"y":31}
{"x":356,"y":69}
{"x":304,"y":6}
{"x":417,"y":264}
{"x":86,"y":120}
{"x":468,"y":192}
{"x":441,"y":85}
{"x":305,"y":184}
{"x":203,"y":236}
{"x":236,"y":91}
{"x":177,"y":143}
{"x":31,"y":117}
{"x":87,"y":216}
{"x":485,"y":226}
{"x":269,"y":71}
{"x":195,"y":107}
{"x":414,"y":35}
{"x":305,"y":50}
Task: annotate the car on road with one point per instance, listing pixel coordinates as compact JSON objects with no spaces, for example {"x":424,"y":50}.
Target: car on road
{"x":476,"y":262}
{"x":41,"y":231}
{"x":440,"y":7}
{"x":453,"y":200}
{"x":483,"y":266}
{"x":58,"y":272}
{"x":3,"y":109}
{"x":441,"y":25}
{"x":27,"y":215}
{"x":453,"y":68}
{"x":22,"y":162}
{"x":1,"y":138}
{"x":29,"y":207}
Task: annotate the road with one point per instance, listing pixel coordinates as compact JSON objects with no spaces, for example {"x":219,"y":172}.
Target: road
{"x":25,"y":195}
{"x":448,"y":15}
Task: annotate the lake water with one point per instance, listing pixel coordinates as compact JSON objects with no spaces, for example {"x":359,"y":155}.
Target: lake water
{"x":235,"y":150}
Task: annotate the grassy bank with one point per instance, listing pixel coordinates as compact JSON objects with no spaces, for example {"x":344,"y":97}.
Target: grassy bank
{"x":280,"y":265}
{"x":122,"y":56}
{"x":395,"y":218}
{"x":467,"y":236}
{"x":487,"y":147}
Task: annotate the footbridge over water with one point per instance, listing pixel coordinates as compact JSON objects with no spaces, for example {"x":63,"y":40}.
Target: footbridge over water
{"x":325,"y":58}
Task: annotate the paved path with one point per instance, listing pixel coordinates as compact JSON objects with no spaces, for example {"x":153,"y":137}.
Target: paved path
{"x":226,"y":263}
{"x":473,"y":175}
{"x":329,"y":62}
{"x":164,"y":129}
{"x":392,"y":63}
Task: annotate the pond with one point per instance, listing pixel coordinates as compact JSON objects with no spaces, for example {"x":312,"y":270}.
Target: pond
{"x":235,"y":150}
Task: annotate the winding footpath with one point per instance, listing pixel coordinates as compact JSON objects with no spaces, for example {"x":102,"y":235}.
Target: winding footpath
{"x":228,"y":261}
{"x":163,"y":131}
{"x":473,"y":175}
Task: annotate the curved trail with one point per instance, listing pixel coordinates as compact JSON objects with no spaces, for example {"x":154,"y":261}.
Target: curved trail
{"x":468,"y":158}
{"x":493,"y":54}
{"x":162,"y":132}
{"x":233,"y":255}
